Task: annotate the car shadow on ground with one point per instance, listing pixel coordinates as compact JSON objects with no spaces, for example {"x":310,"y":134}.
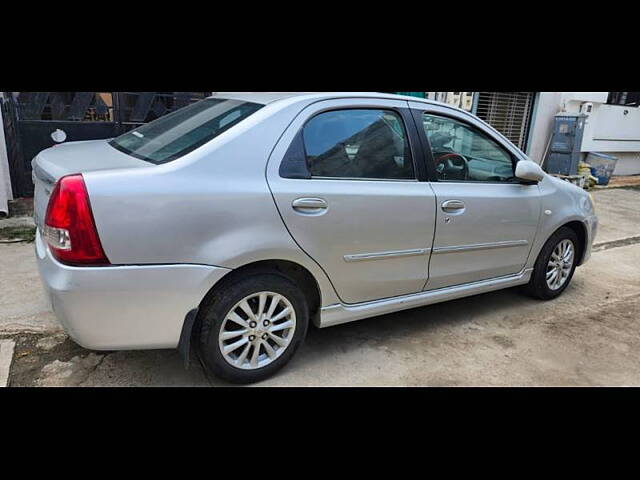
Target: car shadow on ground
{"x":165,"y":367}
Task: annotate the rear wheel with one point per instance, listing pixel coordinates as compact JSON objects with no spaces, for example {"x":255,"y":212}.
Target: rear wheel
{"x":555,"y":265}
{"x":252,"y":328}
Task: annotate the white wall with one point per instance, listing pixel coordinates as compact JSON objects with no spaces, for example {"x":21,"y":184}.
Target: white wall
{"x":612,"y":128}
{"x":548,"y":104}
{"x":5,"y":181}
{"x":571,"y":101}
{"x":628,"y":163}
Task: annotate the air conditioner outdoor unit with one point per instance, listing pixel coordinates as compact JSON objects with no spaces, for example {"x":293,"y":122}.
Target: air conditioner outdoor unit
{"x":586,"y":108}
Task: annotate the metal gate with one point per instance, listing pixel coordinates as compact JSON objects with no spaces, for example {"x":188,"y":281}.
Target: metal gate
{"x":31,"y":117}
{"x":507,"y":112}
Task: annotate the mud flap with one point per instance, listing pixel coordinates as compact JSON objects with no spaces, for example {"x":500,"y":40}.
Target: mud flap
{"x":184,"y":346}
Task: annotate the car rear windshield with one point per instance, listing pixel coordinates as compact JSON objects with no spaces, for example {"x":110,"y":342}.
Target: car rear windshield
{"x":174,"y":135}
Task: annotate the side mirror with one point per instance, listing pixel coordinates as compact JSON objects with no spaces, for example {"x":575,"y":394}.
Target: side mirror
{"x":529,"y":171}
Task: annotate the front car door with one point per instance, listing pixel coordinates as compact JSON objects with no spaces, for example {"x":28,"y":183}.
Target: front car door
{"x":348,"y":184}
{"x":486,"y":220}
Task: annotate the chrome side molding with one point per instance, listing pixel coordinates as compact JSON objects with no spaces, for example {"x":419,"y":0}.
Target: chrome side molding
{"x":480,"y":246}
{"x":343,"y":313}
{"x":390,"y":254}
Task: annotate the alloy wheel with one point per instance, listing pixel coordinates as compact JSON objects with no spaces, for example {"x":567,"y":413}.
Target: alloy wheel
{"x":257,"y":330}
{"x":560,"y":264}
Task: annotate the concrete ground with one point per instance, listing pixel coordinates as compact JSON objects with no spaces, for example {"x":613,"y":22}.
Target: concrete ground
{"x":23,"y":305}
{"x":588,"y":336}
{"x":618,"y":211}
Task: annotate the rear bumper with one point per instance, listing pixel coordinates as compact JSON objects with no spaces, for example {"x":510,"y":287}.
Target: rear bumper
{"x":124,"y":307}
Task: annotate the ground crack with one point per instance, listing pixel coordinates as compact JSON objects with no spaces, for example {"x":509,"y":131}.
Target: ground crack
{"x":93,"y":369}
{"x":616,"y":243}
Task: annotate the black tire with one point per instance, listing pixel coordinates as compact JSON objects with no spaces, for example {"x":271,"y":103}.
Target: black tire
{"x":537,"y":286}
{"x":220,"y":303}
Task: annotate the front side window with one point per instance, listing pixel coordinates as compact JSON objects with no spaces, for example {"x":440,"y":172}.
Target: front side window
{"x":358,"y":143}
{"x":463,"y":153}
{"x":174,"y":135}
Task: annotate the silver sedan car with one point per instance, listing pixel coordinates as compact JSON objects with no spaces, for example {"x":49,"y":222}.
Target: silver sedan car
{"x":227,"y":227}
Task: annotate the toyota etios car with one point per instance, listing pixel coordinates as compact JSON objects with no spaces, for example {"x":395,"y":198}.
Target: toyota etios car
{"x":227,"y":226}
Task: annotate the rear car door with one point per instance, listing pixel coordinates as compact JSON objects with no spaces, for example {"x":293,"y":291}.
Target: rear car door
{"x":486,"y":218}
{"x":347,"y":180}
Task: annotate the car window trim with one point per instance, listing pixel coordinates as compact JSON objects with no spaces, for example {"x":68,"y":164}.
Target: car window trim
{"x":417,"y":114}
{"x":473,"y":128}
{"x":365,"y":179}
{"x":412,"y":138}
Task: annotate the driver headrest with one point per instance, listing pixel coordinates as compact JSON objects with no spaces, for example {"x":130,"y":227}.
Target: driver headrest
{"x":439,"y":140}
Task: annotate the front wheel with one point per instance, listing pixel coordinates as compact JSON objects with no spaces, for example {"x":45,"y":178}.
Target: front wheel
{"x":555,"y":265}
{"x":252,"y":328}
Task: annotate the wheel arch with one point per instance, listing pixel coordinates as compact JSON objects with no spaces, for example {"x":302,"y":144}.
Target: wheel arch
{"x":293,"y":271}
{"x":574,"y":224}
{"x":580,"y":230}
{"x":287,"y":268}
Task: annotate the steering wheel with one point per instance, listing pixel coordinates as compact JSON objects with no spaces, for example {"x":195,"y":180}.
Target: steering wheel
{"x":452,"y":166}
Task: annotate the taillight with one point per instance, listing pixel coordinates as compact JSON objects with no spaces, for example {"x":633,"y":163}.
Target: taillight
{"x":69,"y":227}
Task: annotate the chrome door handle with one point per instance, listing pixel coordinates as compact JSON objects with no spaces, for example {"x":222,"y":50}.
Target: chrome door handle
{"x":309,"y":205}
{"x":453,"y":206}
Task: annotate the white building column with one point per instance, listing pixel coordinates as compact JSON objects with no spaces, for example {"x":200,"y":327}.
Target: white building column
{"x":5,"y":180}
{"x":542,"y":124}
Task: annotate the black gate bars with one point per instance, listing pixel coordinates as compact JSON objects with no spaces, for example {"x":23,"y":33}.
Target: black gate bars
{"x":31,"y":117}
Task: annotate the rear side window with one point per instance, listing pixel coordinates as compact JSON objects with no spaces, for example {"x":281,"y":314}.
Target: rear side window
{"x":358,"y":143}
{"x":174,"y":135}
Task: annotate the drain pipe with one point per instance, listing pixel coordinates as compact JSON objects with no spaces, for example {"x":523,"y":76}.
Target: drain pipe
{"x":546,"y":150}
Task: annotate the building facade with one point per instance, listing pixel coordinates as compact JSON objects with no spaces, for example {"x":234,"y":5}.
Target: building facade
{"x":612,"y":120}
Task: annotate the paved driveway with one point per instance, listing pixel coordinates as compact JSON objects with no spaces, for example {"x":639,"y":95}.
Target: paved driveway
{"x":588,"y":336}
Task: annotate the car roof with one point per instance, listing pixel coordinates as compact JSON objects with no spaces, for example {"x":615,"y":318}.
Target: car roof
{"x":277,"y":98}
{"x":271,"y":97}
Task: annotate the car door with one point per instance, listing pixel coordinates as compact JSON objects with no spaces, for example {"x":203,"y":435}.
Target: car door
{"x":345,"y":181}
{"x":486,"y":220}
